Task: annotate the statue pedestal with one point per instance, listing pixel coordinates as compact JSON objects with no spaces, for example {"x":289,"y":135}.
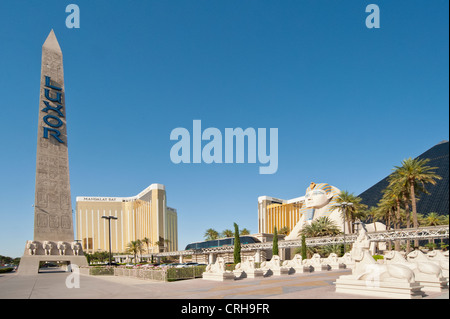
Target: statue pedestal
{"x":321,"y":267}
{"x":337,"y":266}
{"x":29,"y":265}
{"x":280,"y":271}
{"x":431,"y":283}
{"x":390,"y":289}
{"x":302,"y":269}
{"x":224,"y":276}
{"x":48,"y":251}
{"x":257,"y":273}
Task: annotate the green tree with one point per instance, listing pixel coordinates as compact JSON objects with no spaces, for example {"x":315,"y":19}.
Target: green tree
{"x":433,"y":219}
{"x":284,"y":230}
{"x":275,"y":242}
{"x":134,"y":247}
{"x":303,"y":251}
{"x":227,"y":233}
{"x":322,"y":226}
{"x":414,"y":174}
{"x":211,"y":234}
{"x":237,"y":245}
{"x":356,"y":211}
{"x":245,"y":231}
{"x":147,"y":242}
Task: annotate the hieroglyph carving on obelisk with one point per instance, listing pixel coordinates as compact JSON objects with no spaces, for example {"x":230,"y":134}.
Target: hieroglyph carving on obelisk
{"x":52,"y":206}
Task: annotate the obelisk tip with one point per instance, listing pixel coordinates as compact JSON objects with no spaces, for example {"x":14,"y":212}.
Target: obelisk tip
{"x":51,"y":42}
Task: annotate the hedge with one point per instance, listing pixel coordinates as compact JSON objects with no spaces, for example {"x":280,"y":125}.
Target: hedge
{"x":3,"y":270}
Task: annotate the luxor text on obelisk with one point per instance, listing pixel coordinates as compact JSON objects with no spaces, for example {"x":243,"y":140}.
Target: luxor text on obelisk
{"x":53,"y":225}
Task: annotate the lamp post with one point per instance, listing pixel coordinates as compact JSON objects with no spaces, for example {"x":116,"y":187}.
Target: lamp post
{"x":344,"y":206}
{"x":109,"y":220}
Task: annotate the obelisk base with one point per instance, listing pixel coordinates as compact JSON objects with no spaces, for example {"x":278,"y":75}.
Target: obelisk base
{"x":47,"y":251}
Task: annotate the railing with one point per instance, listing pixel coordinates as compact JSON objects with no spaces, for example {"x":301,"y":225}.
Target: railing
{"x":380,"y":236}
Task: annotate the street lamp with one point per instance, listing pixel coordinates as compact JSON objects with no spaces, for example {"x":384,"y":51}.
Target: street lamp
{"x":344,"y":206}
{"x":109,"y":220}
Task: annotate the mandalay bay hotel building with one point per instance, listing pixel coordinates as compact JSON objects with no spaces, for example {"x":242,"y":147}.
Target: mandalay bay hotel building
{"x":145,"y":215}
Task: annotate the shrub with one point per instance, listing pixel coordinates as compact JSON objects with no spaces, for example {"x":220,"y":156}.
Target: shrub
{"x":101,"y":271}
{"x":376,"y":257}
{"x":4,"y":270}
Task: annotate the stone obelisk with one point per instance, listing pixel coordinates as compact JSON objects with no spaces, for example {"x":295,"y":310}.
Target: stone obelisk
{"x":53,"y":225}
{"x":52,"y":205}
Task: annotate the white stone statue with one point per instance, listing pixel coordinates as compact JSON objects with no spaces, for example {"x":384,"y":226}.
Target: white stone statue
{"x":47,"y":245}
{"x":296,"y":264}
{"x":217,"y":267}
{"x":366,"y":266}
{"x":427,"y":273}
{"x":418,"y":256}
{"x":274,"y":266}
{"x":372,"y":279}
{"x":31,"y":246}
{"x":333,"y":261}
{"x":347,"y":260}
{"x":217,"y":271}
{"x":61,"y":247}
{"x":319,"y":201}
{"x":76,"y":248}
{"x":247,"y":269}
{"x":316,"y":263}
{"x":247,"y":265}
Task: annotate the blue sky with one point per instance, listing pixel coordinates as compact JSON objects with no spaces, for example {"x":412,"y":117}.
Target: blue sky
{"x":349,"y":102}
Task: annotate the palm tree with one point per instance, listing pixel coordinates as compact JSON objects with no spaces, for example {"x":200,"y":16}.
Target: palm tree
{"x":159,"y":243}
{"x":227,"y":233}
{"x":147,"y":242}
{"x":211,"y":234}
{"x":284,"y":230}
{"x":166,"y":244}
{"x":414,"y":174}
{"x":433,"y":219}
{"x":134,"y":247}
{"x":351,"y":212}
{"x":322,"y":226}
{"x":245,"y":231}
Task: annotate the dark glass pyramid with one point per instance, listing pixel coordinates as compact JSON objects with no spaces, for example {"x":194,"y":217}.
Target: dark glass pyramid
{"x":437,"y":200}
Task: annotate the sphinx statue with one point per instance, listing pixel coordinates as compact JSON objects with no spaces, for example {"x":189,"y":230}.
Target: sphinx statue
{"x":296,"y":264}
{"x":273,"y":267}
{"x":373,"y":279}
{"x":333,"y":261}
{"x":217,"y":267}
{"x":247,"y":269}
{"x":418,"y":256}
{"x":318,"y":202}
{"x":316,"y":263}
{"x":426,"y":273}
{"x":440,"y":257}
{"x":347,"y":260}
{"x":216,"y":271}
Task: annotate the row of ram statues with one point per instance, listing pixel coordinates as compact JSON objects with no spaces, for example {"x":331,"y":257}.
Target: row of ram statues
{"x":62,"y":248}
{"x":395,"y":276}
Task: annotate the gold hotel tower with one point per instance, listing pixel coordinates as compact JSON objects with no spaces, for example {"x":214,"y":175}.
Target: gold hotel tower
{"x":145,"y":215}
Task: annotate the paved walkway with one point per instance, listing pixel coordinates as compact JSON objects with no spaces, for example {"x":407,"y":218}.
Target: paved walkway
{"x":318,"y":285}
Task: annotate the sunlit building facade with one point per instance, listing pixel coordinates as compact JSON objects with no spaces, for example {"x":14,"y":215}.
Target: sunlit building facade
{"x":145,"y":215}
